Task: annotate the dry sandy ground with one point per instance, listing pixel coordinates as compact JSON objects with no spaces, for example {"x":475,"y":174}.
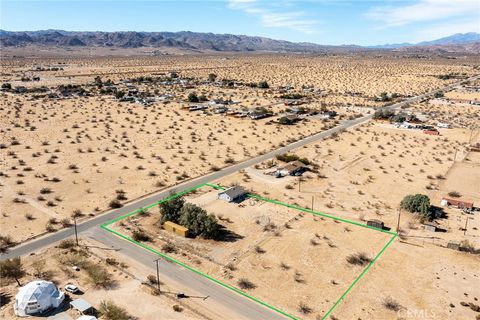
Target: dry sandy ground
{"x":127,"y":290}
{"x":112,"y":146}
{"x":298,"y":251}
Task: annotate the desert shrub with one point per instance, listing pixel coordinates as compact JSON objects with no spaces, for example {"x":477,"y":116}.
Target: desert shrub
{"x":192,"y":97}
{"x":292,"y":157}
{"x":111,"y":311}
{"x":140,"y":235}
{"x":12,"y":269}
{"x":5,"y":242}
{"x":466,"y":246}
{"x":115,"y":204}
{"x":383,"y":113}
{"x":152,"y":279}
{"x":99,"y":276}
{"x":169,"y":247}
{"x":391,"y":304}
{"x":359,"y":259}
{"x":263,"y":85}
{"x":66,"y":244}
{"x":454,"y":194}
{"x":246,"y":284}
{"x":304,"y":308}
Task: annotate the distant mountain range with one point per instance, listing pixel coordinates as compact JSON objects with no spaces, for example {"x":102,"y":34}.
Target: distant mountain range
{"x":203,"y":42}
{"x":456,"y":39}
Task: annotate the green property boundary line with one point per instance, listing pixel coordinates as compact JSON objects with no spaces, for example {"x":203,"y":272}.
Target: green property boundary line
{"x":106,"y":225}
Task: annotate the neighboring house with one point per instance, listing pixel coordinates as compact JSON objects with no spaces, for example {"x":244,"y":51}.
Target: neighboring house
{"x":292,"y":168}
{"x":37,"y":297}
{"x":457,"y":203}
{"x":234,"y":193}
{"x":197,"y":107}
{"x":443,"y":125}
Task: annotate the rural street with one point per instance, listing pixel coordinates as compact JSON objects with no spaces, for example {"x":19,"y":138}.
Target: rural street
{"x":220,"y":296}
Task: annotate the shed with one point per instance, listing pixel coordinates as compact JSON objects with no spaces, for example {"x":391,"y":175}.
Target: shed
{"x":82,"y":306}
{"x":453,"y":245}
{"x":232,"y":194}
{"x":175,"y":228}
{"x":457,"y":203}
{"x":375,"y":223}
{"x":430,"y":226}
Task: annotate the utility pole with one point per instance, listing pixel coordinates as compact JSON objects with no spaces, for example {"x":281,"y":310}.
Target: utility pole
{"x":465,"y":229}
{"x":455,"y":156}
{"x":299,"y":180}
{"x":398,"y":221}
{"x":312,"y":201}
{"x":75,"y":226}
{"x":158,"y":276}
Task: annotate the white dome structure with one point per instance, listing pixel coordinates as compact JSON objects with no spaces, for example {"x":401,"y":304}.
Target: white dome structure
{"x":37,"y":297}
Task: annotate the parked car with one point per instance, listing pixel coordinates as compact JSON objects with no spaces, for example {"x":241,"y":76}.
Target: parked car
{"x":71,"y":288}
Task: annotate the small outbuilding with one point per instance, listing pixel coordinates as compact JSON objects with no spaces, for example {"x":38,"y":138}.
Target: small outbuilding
{"x":430,"y":226}
{"x":375,"y":223}
{"x":82,"y":306}
{"x":36,"y":297}
{"x":234,"y":193}
{"x":175,"y":228}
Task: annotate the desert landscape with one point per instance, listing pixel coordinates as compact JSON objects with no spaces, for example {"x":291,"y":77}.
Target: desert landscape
{"x":357,"y":171}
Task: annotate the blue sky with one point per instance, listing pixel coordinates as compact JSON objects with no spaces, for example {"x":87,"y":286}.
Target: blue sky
{"x":318,"y":21}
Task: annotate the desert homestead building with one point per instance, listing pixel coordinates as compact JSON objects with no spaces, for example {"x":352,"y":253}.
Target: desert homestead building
{"x":36,"y":297}
{"x":457,"y":203}
{"x":292,"y":168}
{"x":232,"y":194}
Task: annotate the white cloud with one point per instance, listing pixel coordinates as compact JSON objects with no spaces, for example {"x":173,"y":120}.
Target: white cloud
{"x":269,"y":17}
{"x":424,"y":10}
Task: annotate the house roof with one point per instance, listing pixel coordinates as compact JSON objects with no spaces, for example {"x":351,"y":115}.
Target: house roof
{"x":80,"y":304}
{"x":233,"y":192}
{"x":293,"y":165}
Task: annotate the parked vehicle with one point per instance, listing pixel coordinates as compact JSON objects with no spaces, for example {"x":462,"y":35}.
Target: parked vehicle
{"x":72,"y":288}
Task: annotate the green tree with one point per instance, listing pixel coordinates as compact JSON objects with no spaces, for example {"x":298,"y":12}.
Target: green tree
{"x":263,"y":85}
{"x":12,"y":268}
{"x":418,"y":203}
{"x":170,"y":210}
{"x":198,"y":222}
{"x":119,"y":94}
{"x":212,"y":77}
{"x":192,"y":97}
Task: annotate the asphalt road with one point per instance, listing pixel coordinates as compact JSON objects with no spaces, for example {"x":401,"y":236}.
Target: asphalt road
{"x":219,"y":296}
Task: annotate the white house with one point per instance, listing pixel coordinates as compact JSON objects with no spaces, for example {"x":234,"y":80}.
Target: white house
{"x":37,"y":297}
{"x":232,"y":194}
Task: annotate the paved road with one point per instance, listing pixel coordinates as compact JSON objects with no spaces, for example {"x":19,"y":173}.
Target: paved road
{"x":220,"y":296}
{"x":220,"y":301}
